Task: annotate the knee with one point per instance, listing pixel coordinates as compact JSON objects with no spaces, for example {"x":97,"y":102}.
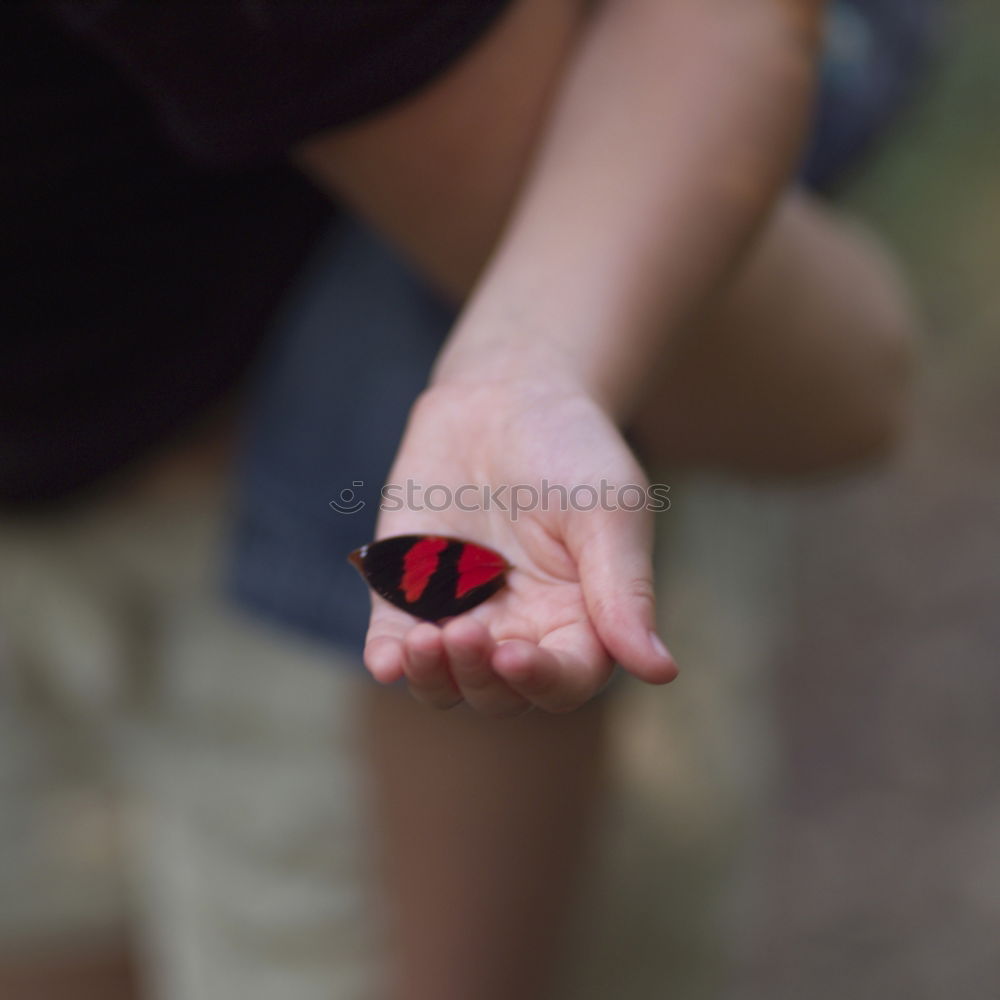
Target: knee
{"x":881,"y":406}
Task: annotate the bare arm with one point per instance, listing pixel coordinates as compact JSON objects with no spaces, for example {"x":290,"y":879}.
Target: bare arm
{"x":586,"y":184}
{"x":677,"y":128}
{"x":665,"y":131}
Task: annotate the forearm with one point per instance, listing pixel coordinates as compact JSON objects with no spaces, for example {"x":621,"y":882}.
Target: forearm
{"x":675,"y":129}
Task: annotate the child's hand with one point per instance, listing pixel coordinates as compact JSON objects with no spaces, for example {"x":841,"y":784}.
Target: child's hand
{"x":580,"y":594}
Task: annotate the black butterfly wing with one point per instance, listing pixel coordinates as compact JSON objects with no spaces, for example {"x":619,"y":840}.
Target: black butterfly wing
{"x":432,"y":577}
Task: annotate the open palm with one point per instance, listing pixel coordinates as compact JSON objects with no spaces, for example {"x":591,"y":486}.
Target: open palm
{"x":579,"y":595}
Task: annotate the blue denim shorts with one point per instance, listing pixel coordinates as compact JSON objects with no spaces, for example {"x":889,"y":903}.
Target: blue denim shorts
{"x":356,"y":339}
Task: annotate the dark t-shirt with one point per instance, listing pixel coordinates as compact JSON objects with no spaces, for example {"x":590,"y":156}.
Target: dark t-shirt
{"x":150,"y":225}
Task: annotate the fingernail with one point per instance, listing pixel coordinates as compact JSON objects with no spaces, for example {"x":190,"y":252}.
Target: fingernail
{"x":657,"y":643}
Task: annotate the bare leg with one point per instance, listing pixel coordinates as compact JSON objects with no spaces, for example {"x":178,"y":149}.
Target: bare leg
{"x":484,"y":830}
{"x":102,"y":975}
{"x":803,"y":364}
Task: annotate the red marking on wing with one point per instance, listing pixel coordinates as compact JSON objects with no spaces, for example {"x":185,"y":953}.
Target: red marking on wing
{"x":477,"y":566}
{"x":419,"y":565}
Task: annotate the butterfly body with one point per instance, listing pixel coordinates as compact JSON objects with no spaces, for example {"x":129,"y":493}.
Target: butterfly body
{"x":432,"y":577}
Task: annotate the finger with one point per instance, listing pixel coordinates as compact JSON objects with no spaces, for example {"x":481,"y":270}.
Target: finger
{"x":616,"y":574}
{"x":470,"y":647}
{"x":558,"y":675}
{"x":384,"y":658}
{"x":384,"y":655}
{"x":426,"y":667}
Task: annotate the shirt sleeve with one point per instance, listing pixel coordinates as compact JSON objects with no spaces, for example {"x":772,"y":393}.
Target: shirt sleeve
{"x":235,"y":82}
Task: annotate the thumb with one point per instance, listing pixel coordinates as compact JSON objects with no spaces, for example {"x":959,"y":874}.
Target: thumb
{"x":616,"y":573}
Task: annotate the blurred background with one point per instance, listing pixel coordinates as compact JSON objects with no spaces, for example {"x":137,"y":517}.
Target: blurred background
{"x":883,"y":877}
{"x":866,"y":822}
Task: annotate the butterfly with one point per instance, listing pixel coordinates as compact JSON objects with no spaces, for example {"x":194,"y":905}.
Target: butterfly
{"x":431,"y":576}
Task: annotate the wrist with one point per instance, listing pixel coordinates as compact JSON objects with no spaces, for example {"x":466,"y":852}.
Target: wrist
{"x":515,"y":362}
{"x":523,"y":366}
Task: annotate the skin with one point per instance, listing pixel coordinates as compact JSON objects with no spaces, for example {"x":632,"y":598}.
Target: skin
{"x":535,"y":642}
{"x":590,"y":244}
{"x":610,"y":207}
{"x":605,"y":194}
{"x":78,"y":973}
{"x":494,"y":822}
